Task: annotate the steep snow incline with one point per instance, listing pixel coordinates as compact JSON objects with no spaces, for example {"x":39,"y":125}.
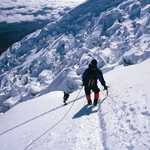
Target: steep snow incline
{"x":26,"y":122}
{"x":113,"y":32}
{"x":121,"y":122}
{"x":125,"y":117}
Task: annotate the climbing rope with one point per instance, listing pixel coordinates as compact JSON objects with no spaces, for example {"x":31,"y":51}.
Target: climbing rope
{"x":54,"y":124}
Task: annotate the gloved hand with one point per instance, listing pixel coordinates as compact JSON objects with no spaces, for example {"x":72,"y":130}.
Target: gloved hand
{"x":105,"y":87}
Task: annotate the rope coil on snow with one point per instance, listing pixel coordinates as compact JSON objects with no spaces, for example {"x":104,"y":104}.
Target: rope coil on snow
{"x":54,"y":124}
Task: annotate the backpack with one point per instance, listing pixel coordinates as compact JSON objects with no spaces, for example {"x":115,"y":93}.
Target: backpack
{"x":91,"y":79}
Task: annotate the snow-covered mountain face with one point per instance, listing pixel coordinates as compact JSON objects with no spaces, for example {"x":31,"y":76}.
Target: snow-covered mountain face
{"x":113,"y":32}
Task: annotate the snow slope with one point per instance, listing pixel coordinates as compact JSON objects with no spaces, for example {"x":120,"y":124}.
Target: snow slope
{"x":121,"y":122}
{"x":113,"y":32}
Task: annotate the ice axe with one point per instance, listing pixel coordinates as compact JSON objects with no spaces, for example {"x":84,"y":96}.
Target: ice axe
{"x":106,"y":90}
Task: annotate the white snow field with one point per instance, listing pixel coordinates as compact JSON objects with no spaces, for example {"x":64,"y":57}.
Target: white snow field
{"x":121,"y":122}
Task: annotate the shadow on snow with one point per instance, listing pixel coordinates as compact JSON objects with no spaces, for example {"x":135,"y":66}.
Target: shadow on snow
{"x":85,"y":110}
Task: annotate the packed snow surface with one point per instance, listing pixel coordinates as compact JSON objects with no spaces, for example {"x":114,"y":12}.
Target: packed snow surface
{"x":121,"y":122}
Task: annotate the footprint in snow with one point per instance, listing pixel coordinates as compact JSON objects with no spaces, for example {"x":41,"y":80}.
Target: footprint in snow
{"x":146,"y":113}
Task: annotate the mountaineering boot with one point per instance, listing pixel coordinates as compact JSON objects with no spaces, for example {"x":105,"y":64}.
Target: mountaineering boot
{"x":89,"y":102}
{"x":66,"y":96}
{"x":88,"y":97}
{"x":65,"y":102}
{"x":95,"y":101}
{"x":96,"y":97}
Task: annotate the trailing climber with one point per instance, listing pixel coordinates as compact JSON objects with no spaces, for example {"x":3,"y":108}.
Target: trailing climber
{"x":89,"y":78}
{"x":70,"y":82}
{"x":66,"y":81}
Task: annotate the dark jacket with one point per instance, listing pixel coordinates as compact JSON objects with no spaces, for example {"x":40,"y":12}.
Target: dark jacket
{"x":95,"y":73}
